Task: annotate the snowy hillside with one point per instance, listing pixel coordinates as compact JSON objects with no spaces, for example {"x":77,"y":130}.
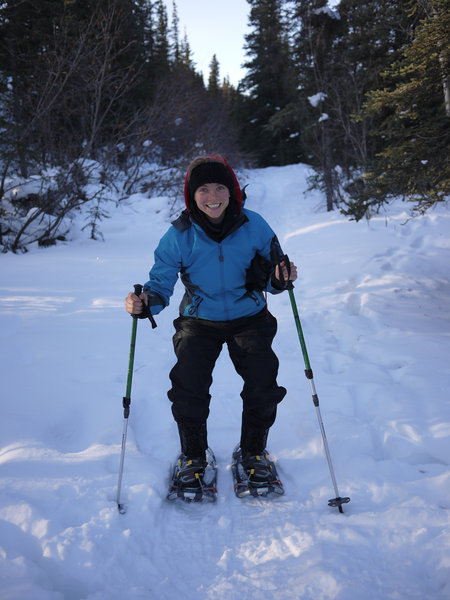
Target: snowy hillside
{"x":374,"y":302}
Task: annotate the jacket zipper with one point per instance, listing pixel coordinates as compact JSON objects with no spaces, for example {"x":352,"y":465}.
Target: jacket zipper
{"x":222,"y":278}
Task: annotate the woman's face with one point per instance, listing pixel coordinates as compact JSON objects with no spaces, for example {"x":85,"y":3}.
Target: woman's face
{"x":212,"y":199}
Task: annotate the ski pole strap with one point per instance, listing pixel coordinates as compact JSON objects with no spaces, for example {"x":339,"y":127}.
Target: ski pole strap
{"x":149,"y":315}
{"x":146,"y":313}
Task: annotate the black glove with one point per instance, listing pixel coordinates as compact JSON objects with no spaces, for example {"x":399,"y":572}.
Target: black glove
{"x":258,"y":274}
{"x":280,"y":283}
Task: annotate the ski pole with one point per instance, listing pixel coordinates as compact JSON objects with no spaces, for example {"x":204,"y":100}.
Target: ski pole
{"x":127,"y":401}
{"x":338,"y":501}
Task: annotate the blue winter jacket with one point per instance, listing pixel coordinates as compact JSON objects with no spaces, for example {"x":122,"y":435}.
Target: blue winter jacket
{"x":213,"y":273}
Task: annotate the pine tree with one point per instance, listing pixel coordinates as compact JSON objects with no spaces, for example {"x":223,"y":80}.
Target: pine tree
{"x":370,"y":37}
{"x":268,"y":85}
{"x":160,"y":59}
{"x":317,"y":29}
{"x":52,"y":50}
{"x":186,"y":53}
{"x":411,"y":104}
{"x":340,"y":54}
{"x":175,"y":35}
{"x":213,"y":79}
{"x":26,"y":30}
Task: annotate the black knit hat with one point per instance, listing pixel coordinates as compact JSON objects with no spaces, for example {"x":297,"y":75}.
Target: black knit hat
{"x":209,"y":172}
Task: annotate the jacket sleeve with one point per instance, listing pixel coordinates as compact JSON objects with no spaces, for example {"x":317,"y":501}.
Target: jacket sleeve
{"x":164,"y":273}
{"x":260,"y":275}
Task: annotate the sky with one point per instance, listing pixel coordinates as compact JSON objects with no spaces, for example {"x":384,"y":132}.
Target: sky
{"x":214,"y":27}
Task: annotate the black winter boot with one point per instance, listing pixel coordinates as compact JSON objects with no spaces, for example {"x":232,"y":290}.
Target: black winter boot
{"x":253,"y":440}
{"x":192,"y":460}
{"x":255,"y":459}
{"x":193,"y":440}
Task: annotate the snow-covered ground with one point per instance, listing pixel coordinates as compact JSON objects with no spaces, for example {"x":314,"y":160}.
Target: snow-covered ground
{"x":374,"y":303}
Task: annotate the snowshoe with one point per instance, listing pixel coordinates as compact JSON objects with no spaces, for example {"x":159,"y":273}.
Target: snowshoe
{"x":194,"y":480}
{"x":255,"y":475}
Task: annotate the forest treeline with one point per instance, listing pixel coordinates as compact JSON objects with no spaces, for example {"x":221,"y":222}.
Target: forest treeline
{"x":102,"y":95}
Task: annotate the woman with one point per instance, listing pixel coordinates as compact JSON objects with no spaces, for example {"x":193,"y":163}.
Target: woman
{"x":226,"y":257}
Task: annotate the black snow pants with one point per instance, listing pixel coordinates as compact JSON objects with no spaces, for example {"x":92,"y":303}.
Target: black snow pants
{"x":197,"y":345}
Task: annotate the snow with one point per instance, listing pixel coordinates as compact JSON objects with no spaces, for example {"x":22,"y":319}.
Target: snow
{"x":326,"y":10}
{"x":316,"y":99}
{"x":373,"y":300}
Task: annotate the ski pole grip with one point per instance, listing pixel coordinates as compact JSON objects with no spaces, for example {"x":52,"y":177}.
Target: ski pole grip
{"x":138,"y":292}
{"x":146,"y":310}
{"x":287,"y":283}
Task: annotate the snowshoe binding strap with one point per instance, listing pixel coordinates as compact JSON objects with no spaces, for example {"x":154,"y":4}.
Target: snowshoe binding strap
{"x":258,"y":477}
{"x":194,"y":480}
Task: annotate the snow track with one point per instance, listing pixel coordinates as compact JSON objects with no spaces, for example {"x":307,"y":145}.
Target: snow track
{"x":373,"y":300}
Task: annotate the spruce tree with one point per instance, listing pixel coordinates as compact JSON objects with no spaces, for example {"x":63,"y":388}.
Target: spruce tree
{"x":268,"y":85}
{"x":414,"y":122}
{"x":213,"y":79}
{"x":370,"y":37}
{"x":26,"y":32}
{"x":315,"y":37}
{"x":175,"y":35}
{"x":160,"y":59}
{"x":339,"y":55}
{"x":186,"y":53}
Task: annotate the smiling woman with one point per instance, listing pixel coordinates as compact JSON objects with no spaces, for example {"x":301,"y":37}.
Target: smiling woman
{"x":227,"y":258}
{"x":213,"y":195}
{"x":212,"y":199}
{"x":210,"y":185}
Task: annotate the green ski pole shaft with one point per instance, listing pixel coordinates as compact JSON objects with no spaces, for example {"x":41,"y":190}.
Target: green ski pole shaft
{"x":126,"y":403}
{"x":299,"y":329}
{"x":130,"y":367}
{"x":338,"y":501}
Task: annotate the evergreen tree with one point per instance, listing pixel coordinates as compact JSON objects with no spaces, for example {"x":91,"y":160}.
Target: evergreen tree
{"x":314,"y":41}
{"x":370,"y":36}
{"x":175,"y":35}
{"x":340,"y":54}
{"x":156,"y":64}
{"x":268,"y":85}
{"x":160,"y":59}
{"x":144,"y":36}
{"x":213,"y":79}
{"x":186,"y":53}
{"x":415,"y":125}
{"x":26,"y":30}
{"x":49,"y":51}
